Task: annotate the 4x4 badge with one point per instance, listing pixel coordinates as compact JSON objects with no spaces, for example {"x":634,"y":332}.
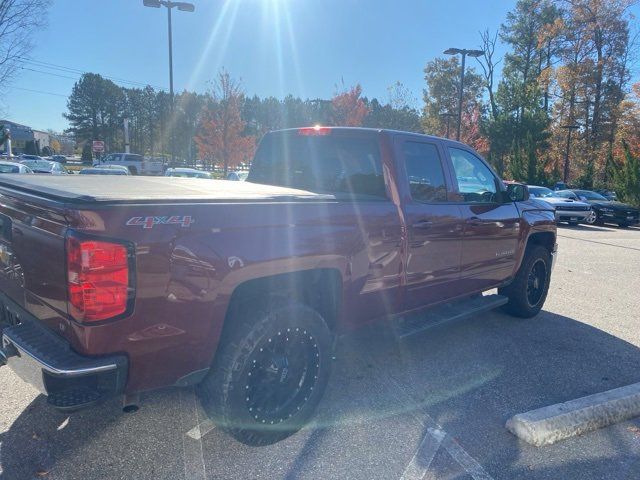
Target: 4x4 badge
{"x":150,"y":222}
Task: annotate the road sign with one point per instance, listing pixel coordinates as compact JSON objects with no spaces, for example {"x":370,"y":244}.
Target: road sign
{"x":98,"y":146}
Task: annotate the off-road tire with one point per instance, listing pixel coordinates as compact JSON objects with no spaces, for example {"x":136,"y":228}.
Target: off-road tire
{"x":521,"y":303}
{"x":224,"y":391}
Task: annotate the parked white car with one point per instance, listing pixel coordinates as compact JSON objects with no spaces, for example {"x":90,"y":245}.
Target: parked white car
{"x":136,"y":164}
{"x":45,"y":166}
{"x":567,"y":210}
{"x":13,"y":167}
{"x":105,"y":170}
{"x":186,"y":172}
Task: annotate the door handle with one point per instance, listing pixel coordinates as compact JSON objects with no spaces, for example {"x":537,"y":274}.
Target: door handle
{"x":422,"y":224}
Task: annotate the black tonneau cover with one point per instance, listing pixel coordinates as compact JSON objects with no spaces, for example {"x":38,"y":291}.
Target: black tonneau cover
{"x":141,"y":189}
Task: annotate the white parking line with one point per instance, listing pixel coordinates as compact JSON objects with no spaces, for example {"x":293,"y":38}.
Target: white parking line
{"x":194,"y":468}
{"x":201,"y":429}
{"x":421,"y":461}
{"x":466,"y":461}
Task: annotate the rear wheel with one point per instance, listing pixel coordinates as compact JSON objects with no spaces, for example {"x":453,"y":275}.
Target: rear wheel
{"x":270,"y":372}
{"x":529,"y":289}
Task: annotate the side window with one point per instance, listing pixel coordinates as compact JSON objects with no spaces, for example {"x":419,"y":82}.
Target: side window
{"x":424,"y":172}
{"x":476,"y":183}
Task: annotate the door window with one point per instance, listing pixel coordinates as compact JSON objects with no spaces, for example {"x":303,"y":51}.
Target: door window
{"x":476,"y":182}
{"x":424,"y":172}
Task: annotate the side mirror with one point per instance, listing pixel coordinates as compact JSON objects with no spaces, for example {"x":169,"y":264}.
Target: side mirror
{"x":517,"y":192}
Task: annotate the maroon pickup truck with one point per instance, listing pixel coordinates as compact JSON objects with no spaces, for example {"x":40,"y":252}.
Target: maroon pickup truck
{"x":118,"y":285}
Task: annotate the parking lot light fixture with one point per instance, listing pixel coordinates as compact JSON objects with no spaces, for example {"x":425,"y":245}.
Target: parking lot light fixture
{"x":183,"y":7}
{"x":464,"y":52}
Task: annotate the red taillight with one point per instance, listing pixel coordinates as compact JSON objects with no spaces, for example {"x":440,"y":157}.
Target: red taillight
{"x":97,"y":279}
{"x":317,"y":130}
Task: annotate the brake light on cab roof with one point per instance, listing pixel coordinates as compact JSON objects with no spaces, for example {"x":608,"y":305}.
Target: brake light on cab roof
{"x":317,"y":130}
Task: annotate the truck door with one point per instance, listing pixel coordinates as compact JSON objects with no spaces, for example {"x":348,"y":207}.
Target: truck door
{"x":434,"y":223}
{"x":491,"y":225}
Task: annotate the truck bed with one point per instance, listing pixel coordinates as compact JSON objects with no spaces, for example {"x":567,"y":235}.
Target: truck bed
{"x":140,"y":189}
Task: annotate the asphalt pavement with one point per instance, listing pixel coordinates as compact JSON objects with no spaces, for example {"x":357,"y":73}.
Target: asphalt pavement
{"x":431,"y":406}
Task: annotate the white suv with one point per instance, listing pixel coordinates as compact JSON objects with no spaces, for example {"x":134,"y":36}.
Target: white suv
{"x":136,"y":164}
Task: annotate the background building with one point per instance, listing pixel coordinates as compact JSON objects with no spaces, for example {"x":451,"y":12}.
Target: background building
{"x":24,"y":139}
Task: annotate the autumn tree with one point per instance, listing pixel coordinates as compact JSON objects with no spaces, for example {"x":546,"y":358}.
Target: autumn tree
{"x":629,"y":125}
{"x":441,"y":96}
{"x":220,"y":136}
{"x":518,"y":131}
{"x":55,"y":145}
{"x":348,"y":108}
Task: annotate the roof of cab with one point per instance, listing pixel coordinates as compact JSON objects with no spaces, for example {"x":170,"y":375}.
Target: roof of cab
{"x":386,"y":131}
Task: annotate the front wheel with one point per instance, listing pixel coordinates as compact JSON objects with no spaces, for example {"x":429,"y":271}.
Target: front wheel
{"x":592,"y":219}
{"x":528,"y":291}
{"x":270,"y":372}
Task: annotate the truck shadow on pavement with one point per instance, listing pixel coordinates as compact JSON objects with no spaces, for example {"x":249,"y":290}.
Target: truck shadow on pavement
{"x":465,"y":378}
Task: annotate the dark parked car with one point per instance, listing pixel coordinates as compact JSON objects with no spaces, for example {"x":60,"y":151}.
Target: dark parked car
{"x":238,"y":176}
{"x":608,"y":194}
{"x":122,"y":285}
{"x":604,"y":210}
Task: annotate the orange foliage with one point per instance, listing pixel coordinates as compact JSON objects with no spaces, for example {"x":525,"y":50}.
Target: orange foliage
{"x":629,"y":128}
{"x":219,"y":139}
{"x":470,"y":131}
{"x":348,"y":108}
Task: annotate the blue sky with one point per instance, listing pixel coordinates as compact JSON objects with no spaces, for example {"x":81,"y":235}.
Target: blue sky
{"x":275,"y":47}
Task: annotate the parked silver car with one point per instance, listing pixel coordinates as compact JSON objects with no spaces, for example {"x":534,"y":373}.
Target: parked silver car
{"x":13,"y":167}
{"x":567,"y":210}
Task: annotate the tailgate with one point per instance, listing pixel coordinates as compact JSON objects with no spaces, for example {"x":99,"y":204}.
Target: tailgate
{"x":32,"y":258}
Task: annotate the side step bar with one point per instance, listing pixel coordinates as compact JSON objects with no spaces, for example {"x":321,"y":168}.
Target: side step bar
{"x":447,"y":312}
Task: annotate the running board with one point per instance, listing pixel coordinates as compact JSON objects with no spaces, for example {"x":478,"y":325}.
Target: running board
{"x":468,"y":307}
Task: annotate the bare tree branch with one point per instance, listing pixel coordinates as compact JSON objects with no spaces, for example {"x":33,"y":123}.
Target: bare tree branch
{"x":18,"y":21}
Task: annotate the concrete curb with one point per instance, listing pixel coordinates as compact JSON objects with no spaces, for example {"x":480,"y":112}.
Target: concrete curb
{"x":548,"y":425}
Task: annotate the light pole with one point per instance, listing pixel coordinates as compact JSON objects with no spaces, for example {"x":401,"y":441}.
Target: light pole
{"x":464,"y":52}
{"x":565,"y":173}
{"x":448,"y":116}
{"x":183,"y":7}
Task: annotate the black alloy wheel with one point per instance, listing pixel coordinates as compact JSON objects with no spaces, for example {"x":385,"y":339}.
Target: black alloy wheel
{"x":281,"y":375}
{"x":270,"y":372}
{"x":536,"y":282}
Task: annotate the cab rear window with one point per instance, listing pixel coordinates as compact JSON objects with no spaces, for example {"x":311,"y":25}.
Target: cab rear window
{"x":331,"y":164}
